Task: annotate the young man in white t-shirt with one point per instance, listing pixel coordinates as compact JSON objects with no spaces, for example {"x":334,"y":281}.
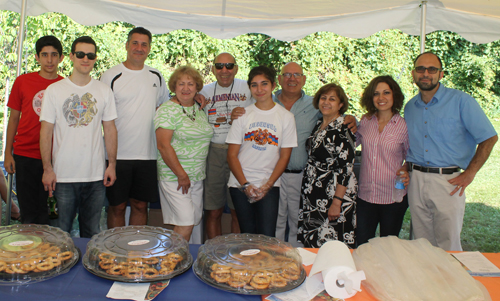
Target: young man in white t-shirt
{"x":75,"y":112}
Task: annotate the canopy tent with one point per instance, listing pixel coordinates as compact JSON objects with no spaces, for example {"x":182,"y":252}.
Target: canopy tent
{"x":476,"y":20}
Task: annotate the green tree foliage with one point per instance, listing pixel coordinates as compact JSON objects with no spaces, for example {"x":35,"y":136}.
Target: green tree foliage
{"x":326,"y":57}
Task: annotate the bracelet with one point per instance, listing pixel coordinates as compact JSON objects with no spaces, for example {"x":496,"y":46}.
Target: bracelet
{"x":244,"y":186}
{"x":338,"y":198}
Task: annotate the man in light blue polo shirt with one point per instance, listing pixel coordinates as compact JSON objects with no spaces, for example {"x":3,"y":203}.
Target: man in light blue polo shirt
{"x":444,"y":126}
{"x":293,"y":98}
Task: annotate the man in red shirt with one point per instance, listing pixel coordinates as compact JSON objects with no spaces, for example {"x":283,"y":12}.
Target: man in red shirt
{"x":22,"y":147}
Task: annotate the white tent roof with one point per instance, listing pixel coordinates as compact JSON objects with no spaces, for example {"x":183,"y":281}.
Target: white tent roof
{"x":476,"y":20}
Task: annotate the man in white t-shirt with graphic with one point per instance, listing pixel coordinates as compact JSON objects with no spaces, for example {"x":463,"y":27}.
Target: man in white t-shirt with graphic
{"x":222,"y":97}
{"x":75,"y":112}
{"x":139,"y":90}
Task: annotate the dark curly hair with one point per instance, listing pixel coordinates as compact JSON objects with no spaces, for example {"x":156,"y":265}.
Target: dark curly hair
{"x":338,"y":90}
{"x":366,"y":100}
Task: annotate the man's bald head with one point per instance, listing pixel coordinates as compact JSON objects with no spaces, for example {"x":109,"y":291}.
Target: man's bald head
{"x":292,"y":78}
{"x":225,"y":69}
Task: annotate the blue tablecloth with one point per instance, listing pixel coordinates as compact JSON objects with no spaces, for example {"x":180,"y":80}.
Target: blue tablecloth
{"x":79,"y":284}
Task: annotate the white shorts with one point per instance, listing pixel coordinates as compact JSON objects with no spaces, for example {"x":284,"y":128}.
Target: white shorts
{"x":181,"y":209}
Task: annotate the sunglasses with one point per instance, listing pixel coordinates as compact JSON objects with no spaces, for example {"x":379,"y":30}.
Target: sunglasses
{"x":219,"y":66}
{"x":81,"y":55}
{"x":431,"y":70}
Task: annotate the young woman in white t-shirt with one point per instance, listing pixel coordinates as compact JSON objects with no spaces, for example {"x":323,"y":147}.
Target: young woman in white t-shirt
{"x":260,"y":144}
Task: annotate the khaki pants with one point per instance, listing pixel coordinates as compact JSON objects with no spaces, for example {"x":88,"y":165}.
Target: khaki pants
{"x":435,"y":214}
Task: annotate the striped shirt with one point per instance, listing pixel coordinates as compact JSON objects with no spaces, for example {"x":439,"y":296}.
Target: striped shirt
{"x":383,"y":154}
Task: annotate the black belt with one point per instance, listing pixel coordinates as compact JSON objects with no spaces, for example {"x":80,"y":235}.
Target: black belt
{"x":293,"y":170}
{"x":439,"y":170}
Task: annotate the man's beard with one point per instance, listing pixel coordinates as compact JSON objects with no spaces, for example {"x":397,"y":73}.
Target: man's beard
{"x":427,"y":86}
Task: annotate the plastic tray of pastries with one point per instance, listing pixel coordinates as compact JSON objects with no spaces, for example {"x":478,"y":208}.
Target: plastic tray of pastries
{"x":137,"y":254}
{"x":33,"y":253}
{"x":249,"y":264}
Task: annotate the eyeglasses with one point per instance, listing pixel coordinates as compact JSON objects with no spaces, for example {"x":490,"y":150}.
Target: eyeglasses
{"x":289,"y":75}
{"x":81,"y":55}
{"x":431,"y":70}
{"x":229,"y":66}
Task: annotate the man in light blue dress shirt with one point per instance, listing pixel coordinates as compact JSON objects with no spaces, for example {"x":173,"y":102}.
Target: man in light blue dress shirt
{"x":444,"y":127}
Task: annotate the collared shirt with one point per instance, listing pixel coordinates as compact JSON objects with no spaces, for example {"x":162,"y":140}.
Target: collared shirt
{"x":445,"y":131}
{"x":383,"y":154}
{"x":305,"y":120}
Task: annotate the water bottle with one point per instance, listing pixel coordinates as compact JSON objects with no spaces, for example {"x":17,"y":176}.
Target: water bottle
{"x":398,"y":192}
{"x":52,"y":207}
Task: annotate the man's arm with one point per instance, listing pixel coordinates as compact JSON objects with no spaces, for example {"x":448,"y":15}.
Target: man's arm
{"x":49,"y":177}
{"x":201,"y":100}
{"x":482,"y":153}
{"x":351,"y":123}
{"x":9,"y":164}
{"x":111,"y":142}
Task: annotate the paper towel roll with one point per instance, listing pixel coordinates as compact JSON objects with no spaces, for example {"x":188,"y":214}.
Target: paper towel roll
{"x":337,"y":267}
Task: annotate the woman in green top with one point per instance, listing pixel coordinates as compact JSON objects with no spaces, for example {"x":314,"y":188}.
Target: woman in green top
{"x":183,"y":135}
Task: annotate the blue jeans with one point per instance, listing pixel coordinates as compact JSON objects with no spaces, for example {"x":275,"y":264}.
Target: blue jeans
{"x":84,"y":198}
{"x":390,"y":217}
{"x":259,"y":217}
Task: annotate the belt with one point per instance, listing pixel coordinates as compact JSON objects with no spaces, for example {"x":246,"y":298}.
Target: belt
{"x":439,"y":170}
{"x":218,"y":145}
{"x":293,"y":170}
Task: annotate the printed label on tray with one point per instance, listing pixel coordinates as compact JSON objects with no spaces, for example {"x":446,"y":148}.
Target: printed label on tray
{"x":250,"y":252}
{"x":138,"y":242}
{"x":21,"y":243}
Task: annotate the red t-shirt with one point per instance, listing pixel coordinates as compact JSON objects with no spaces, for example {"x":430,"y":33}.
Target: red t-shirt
{"x":26,"y":96}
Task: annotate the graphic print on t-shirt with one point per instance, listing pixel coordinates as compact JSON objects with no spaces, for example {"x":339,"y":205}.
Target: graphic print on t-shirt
{"x":79,"y":112}
{"x":218,"y":108}
{"x":37,"y":102}
{"x":260,"y":136}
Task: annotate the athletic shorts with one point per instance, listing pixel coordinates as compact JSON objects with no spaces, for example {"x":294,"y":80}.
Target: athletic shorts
{"x":216,"y":191}
{"x":136,"y":179}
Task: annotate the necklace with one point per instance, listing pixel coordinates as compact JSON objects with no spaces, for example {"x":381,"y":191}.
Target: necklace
{"x":191,"y":116}
{"x":324,"y":125}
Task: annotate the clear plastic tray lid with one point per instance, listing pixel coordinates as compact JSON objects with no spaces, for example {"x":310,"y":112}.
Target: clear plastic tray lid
{"x":249,"y":264}
{"x":33,"y":253}
{"x":137,"y":254}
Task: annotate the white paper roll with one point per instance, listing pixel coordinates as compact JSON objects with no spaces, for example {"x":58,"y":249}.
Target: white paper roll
{"x":337,"y":267}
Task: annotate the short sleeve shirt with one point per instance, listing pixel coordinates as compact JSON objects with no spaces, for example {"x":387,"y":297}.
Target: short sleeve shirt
{"x":26,"y":96}
{"x":445,"y":131}
{"x":190,"y":140}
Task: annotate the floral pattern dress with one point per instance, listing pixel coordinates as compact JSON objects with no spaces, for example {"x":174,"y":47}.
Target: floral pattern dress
{"x":331,"y":161}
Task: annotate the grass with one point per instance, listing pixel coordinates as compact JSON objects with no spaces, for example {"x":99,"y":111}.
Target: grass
{"x":481,"y":228}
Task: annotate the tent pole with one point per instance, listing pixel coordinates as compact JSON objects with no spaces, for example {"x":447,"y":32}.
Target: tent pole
{"x":18,"y":72}
{"x":21,"y":38}
{"x":423,"y":19}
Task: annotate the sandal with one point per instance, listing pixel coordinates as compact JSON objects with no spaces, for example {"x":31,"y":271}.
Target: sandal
{"x":17,"y":217}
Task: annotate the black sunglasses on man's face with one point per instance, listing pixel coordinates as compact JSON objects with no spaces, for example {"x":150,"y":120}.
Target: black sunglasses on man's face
{"x":81,"y":55}
{"x":228,"y":66}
